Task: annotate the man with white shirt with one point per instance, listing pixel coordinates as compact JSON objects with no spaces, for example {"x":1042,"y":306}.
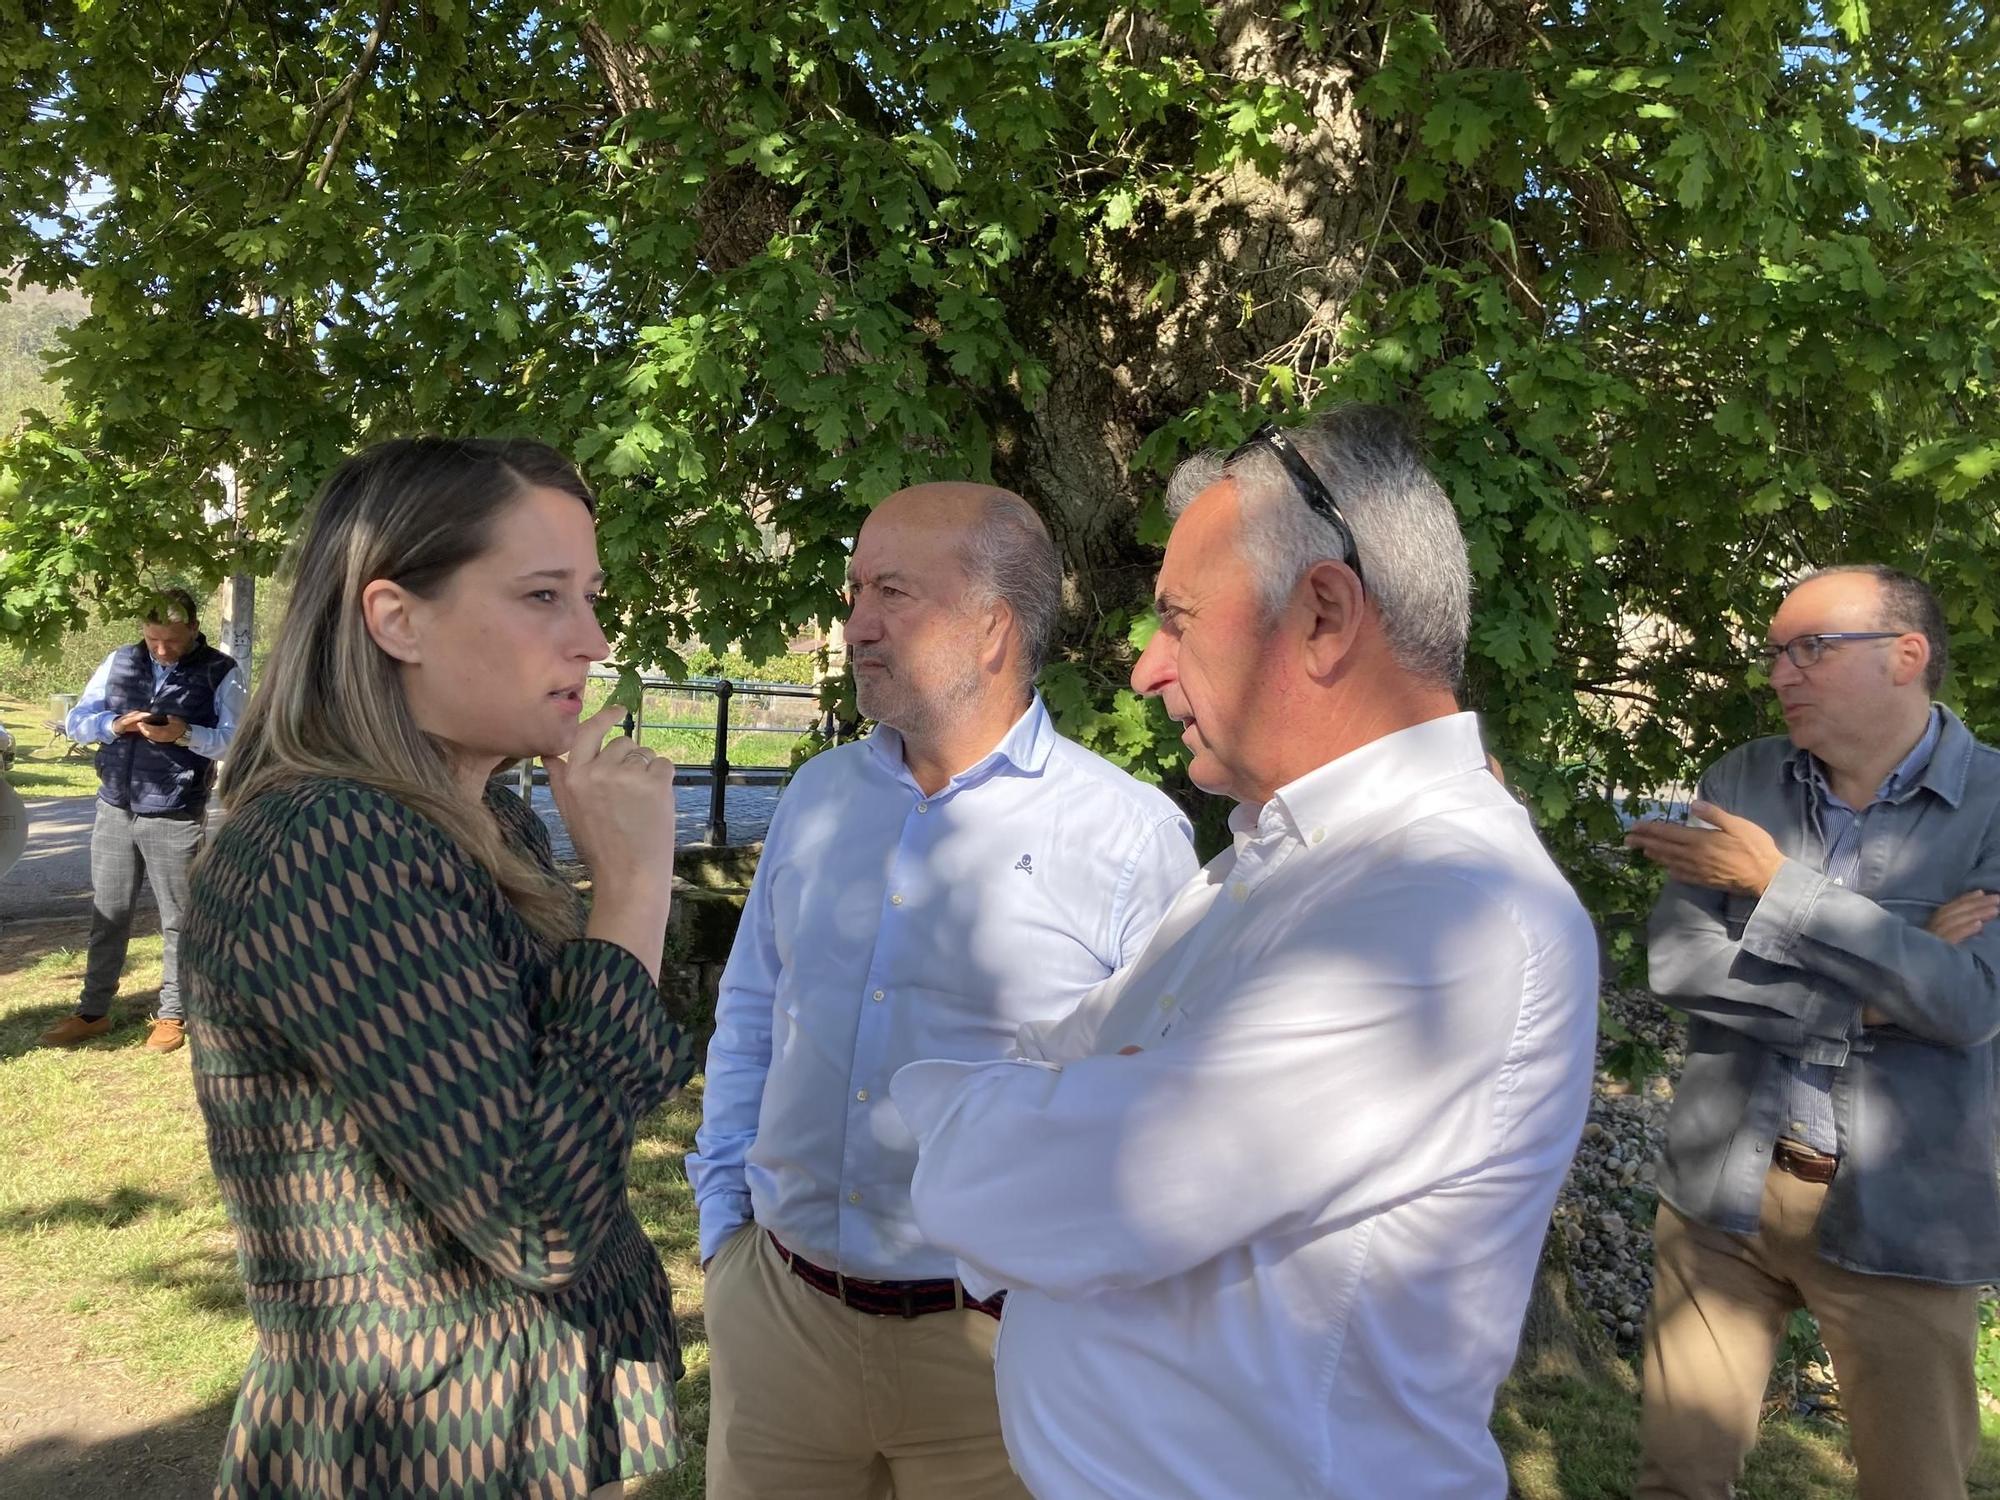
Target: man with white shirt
{"x":1268,"y":1206}
{"x":162,"y":711}
{"x":922,"y":894}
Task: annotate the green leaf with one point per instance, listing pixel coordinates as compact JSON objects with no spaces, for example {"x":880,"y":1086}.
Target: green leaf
{"x":1851,"y":17}
{"x":1458,"y":128}
{"x":630,"y":690}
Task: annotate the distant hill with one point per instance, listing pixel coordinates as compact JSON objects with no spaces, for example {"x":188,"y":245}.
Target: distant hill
{"x":29,"y":321}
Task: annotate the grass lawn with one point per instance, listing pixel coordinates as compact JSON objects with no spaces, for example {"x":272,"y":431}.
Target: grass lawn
{"x":123,"y":1333}
{"x":40,"y":768}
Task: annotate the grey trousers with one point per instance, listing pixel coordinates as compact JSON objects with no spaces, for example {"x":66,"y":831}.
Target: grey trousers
{"x":125,"y":850}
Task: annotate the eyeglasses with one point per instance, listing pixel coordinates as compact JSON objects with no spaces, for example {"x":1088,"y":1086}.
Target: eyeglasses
{"x":1806,"y":650}
{"x":1315,"y":493}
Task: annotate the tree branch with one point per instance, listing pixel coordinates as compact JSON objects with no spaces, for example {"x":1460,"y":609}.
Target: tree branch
{"x":342,"y":99}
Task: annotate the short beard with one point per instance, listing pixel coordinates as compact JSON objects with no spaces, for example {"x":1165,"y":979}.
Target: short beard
{"x":912,"y":714}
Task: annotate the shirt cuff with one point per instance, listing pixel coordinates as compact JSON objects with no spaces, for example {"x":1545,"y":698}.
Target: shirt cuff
{"x":924,"y":1092}
{"x":90,"y":729}
{"x":721,"y":1216}
{"x":1781,"y":913}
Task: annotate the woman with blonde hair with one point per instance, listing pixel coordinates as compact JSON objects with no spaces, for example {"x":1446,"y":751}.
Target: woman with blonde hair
{"x":421,"y":1070}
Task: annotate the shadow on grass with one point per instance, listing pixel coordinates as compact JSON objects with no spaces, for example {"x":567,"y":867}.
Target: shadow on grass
{"x":1984,"y":1483}
{"x":50,"y":776}
{"x":114,"y":1210}
{"x":206,"y":1280}
{"x":171,"y":1460}
{"x":21,"y":1030}
{"x":1578,"y":1439}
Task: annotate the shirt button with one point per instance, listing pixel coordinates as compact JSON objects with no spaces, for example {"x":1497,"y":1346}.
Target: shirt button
{"x":896,"y":900}
{"x":877,"y":997}
{"x":923,"y":807}
{"x":1166,"y":1002}
{"x":1239,"y":892}
{"x":853,"y":1197}
{"x":1319,"y":835}
{"x":1799,"y":1129}
{"x":862,"y":1095}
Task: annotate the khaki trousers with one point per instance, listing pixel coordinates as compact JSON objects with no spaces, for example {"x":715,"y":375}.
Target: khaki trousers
{"x":1901,"y":1349}
{"x":811,"y":1400}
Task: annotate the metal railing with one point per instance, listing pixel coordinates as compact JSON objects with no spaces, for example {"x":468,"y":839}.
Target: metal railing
{"x":718,"y":773}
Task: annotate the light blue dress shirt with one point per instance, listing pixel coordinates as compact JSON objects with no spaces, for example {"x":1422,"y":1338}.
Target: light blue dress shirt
{"x":885,"y":927}
{"x":89,"y":723}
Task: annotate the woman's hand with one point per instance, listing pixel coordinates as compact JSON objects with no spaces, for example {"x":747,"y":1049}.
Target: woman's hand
{"x":617,"y":799}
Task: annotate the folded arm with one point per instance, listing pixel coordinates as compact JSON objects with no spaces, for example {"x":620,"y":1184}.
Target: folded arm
{"x":1121,"y":1171}
{"x":1934,"y":989}
{"x":1696,"y":965}
{"x":508,"y":1110}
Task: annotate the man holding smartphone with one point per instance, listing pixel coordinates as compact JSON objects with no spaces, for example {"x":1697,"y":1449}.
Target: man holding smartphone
{"x":162,"y":712}
{"x":1828,"y":927}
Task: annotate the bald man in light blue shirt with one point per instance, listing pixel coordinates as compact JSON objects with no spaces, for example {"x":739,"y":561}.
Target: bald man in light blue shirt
{"x":922,"y":894}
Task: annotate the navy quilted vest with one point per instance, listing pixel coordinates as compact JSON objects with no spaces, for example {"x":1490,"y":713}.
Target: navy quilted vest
{"x":132,"y":771}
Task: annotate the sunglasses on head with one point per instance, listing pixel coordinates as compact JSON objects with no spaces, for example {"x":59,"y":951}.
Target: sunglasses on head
{"x":1317,"y":497}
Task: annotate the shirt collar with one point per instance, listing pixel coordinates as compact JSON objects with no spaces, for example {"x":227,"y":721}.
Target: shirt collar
{"x":1024,"y":748}
{"x":1923,"y":767}
{"x":1381,"y":774}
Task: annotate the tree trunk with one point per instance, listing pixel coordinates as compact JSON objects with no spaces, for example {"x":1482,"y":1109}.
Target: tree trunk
{"x":1248,"y":272}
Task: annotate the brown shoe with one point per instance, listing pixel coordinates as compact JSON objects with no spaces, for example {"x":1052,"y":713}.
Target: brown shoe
{"x":73,"y":1029}
{"x":166,"y":1036}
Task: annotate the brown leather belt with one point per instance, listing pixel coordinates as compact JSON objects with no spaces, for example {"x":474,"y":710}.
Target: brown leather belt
{"x":1804,"y":1163}
{"x":887,"y":1299}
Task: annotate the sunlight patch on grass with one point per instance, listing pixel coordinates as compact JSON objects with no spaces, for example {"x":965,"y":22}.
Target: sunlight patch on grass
{"x":40,"y":768}
{"x":110,"y":1226}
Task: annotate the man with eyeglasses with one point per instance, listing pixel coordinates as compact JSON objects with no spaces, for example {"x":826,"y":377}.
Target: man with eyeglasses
{"x":1268,"y":1205}
{"x":1831,"y":937}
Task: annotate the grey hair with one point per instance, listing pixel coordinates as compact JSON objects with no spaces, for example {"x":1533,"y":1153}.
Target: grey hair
{"x":1009,"y":558}
{"x":1907,"y":605}
{"x":1406,"y":534}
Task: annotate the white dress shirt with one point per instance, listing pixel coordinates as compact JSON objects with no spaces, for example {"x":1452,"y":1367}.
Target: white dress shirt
{"x":885,"y":926}
{"x":89,"y":723}
{"x":1285,"y":1249}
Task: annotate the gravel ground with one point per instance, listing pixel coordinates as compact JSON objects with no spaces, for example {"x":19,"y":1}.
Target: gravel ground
{"x":1606,"y":1208}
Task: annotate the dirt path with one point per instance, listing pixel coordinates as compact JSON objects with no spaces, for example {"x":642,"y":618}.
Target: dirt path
{"x":78,"y":1428}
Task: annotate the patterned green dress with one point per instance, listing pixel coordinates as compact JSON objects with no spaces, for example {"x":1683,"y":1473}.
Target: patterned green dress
{"x":420,"y":1115}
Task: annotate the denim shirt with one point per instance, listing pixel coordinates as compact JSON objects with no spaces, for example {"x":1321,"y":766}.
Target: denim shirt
{"x":1916,"y":1100}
